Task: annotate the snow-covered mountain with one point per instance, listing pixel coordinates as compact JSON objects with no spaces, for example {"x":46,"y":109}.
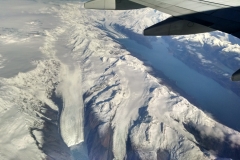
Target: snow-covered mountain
{"x":82,"y":94}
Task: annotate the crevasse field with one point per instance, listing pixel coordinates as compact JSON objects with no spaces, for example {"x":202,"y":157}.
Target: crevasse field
{"x":84,"y":84}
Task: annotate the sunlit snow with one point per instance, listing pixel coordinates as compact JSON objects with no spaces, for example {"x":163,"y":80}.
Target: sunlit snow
{"x":69,"y":89}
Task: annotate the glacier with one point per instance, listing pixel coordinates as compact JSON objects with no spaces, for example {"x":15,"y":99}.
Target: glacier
{"x":73,"y":88}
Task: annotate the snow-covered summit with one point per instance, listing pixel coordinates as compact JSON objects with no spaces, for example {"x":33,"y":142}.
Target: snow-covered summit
{"x":88,"y":97}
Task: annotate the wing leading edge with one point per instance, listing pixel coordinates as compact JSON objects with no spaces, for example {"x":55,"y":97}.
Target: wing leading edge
{"x":175,"y":26}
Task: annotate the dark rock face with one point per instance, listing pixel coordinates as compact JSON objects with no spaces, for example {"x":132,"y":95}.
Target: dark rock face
{"x":131,"y":153}
{"x":53,"y":145}
{"x":222,"y":148}
{"x":99,"y":144}
{"x":163,"y":155}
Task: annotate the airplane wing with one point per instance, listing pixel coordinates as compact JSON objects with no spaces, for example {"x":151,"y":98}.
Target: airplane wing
{"x":188,"y":16}
{"x":223,"y":15}
{"x":196,"y":16}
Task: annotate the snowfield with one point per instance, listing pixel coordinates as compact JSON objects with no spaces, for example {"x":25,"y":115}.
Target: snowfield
{"x":70,"y":90}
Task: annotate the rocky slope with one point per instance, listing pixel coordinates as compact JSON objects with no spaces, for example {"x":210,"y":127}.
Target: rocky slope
{"x":88,"y":97}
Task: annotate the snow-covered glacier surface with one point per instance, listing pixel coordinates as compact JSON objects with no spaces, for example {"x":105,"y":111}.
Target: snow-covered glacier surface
{"x":85,"y":84}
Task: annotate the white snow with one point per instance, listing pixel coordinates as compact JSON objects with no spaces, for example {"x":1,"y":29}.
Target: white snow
{"x":72,"y":54}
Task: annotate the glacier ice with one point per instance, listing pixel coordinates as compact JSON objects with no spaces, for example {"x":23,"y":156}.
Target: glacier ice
{"x":88,"y":97}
